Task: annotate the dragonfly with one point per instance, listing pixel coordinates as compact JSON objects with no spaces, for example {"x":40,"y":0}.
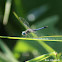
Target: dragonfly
{"x":26,"y":32}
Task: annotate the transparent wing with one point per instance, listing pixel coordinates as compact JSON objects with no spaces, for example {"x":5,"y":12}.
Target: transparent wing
{"x":24,"y":22}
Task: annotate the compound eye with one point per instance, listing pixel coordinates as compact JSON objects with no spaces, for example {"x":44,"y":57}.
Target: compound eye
{"x":23,"y":33}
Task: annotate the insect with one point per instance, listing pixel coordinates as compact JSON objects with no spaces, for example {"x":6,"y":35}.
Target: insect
{"x":32,"y":30}
{"x":29,"y":30}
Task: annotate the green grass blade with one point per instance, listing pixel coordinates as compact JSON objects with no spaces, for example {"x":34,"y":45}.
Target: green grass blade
{"x":7,"y":11}
{"x":7,"y":52}
{"x":43,"y":38}
{"x":42,"y":57}
{"x":3,"y":57}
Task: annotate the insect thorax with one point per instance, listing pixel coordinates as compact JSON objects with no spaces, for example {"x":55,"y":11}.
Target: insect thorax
{"x":29,"y":31}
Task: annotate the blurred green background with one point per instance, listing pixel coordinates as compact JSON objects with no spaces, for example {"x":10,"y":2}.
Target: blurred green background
{"x":38,"y":13}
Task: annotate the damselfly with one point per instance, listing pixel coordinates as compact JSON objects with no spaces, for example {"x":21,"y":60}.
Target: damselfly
{"x":29,"y":30}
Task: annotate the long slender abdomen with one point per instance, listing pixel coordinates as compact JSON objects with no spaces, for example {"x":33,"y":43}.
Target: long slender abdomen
{"x":40,"y":28}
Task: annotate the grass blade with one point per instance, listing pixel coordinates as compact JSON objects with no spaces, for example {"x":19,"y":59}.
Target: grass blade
{"x":42,"y":57}
{"x":43,"y":38}
{"x":3,"y":57}
{"x":7,"y":11}
{"x":7,"y":52}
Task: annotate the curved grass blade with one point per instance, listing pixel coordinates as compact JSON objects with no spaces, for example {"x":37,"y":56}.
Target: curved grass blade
{"x":42,"y":57}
